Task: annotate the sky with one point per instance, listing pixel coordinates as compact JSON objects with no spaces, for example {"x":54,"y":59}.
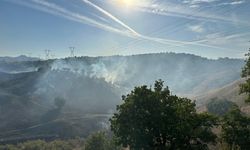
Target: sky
{"x":208,"y":28}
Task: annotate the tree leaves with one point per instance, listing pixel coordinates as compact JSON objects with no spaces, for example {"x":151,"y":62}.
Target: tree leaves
{"x":245,"y":87}
{"x":155,"y":119}
{"x":236,"y":129}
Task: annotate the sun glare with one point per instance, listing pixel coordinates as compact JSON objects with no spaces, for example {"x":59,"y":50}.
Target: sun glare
{"x":127,"y":3}
{"x":130,"y":4}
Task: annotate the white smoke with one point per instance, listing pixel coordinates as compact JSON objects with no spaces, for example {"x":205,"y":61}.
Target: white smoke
{"x":112,"y":71}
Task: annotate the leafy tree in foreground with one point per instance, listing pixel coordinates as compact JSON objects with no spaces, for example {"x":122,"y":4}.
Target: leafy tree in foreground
{"x":236,"y":130}
{"x":245,"y":87}
{"x":155,"y":119}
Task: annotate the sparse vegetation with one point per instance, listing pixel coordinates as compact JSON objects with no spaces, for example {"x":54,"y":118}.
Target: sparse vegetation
{"x":43,"y":145}
{"x":96,"y":141}
{"x":100,"y":141}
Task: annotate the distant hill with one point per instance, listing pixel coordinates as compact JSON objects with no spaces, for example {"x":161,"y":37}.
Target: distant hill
{"x":27,"y":104}
{"x":92,"y":87}
{"x":20,"y":58}
{"x":185,"y":74}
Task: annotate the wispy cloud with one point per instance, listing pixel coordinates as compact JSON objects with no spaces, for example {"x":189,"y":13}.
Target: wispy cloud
{"x":144,"y":37}
{"x":196,"y":28}
{"x":55,"y":9}
{"x":110,"y":16}
{"x":100,"y":18}
{"x":236,"y":2}
{"x":239,"y":39}
{"x":197,"y":3}
{"x":134,"y":34}
{"x":192,"y":2}
{"x":183,"y":11}
{"x":178,"y":43}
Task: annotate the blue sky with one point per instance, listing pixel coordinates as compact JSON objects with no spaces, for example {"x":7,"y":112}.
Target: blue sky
{"x":209,"y":28}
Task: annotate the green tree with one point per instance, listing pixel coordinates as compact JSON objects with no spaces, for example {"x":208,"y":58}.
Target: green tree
{"x":245,"y":87}
{"x":236,"y":129}
{"x":155,"y":119}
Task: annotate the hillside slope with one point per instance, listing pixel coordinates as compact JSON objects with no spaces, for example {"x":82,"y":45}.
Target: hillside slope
{"x":92,"y":87}
{"x":229,"y":92}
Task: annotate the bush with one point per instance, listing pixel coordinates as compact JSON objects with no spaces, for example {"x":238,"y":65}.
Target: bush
{"x":43,"y":145}
{"x":100,"y":141}
{"x":220,"y":107}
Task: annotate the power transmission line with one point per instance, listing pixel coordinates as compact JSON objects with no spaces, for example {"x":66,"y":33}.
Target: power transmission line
{"x":47,"y":54}
{"x":72,"y":51}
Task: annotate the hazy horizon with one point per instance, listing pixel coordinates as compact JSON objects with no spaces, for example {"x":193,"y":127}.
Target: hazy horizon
{"x":42,"y":57}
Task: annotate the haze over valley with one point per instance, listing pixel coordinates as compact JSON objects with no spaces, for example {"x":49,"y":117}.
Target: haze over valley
{"x":92,"y":87}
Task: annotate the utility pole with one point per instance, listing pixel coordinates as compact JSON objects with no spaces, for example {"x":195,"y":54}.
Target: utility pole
{"x":47,"y":54}
{"x":72,"y":51}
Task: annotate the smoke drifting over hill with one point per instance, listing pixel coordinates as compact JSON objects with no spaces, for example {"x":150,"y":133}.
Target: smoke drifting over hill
{"x":92,"y":87}
{"x":110,"y":70}
{"x":185,"y":74}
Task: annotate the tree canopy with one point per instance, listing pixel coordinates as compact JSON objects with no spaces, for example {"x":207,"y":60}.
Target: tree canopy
{"x":236,"y":129}
{"x":245,"y":87}
{"x":155,"y":119}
